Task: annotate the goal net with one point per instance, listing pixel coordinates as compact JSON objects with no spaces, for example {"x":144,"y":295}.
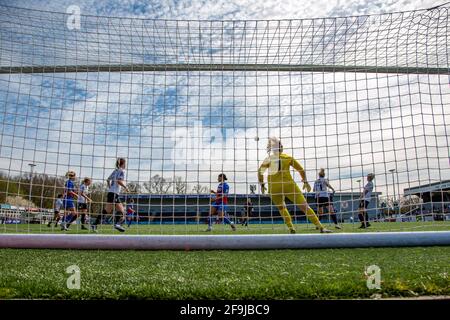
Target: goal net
{"x":185,"y":101}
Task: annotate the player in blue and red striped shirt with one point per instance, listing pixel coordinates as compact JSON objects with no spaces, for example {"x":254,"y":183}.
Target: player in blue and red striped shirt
{"x":131,"y":214}
{"x":220,"y":202}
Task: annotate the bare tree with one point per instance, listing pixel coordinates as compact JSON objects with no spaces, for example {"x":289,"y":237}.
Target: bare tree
{"x":9,"y":186}
{"x":410,"y":203}
{"x":43,"y":193}
{"x":180,"y":185}
{"x":134,"y":186}
{"x":146,"y":186}
{"x":199,"y":189}
{"x":19,"y":201}
{"x":158,"y":185}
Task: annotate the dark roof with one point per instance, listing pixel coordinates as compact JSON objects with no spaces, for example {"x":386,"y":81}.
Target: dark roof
{"x":430,"y":187}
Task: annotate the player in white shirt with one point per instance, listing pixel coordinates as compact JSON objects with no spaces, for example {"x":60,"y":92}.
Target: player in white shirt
{"x":321,"y":186}
{"x":59,"y":204}
{"x":364,"y":202}
{"x":84,"y":200}
{"x":116,"y":181}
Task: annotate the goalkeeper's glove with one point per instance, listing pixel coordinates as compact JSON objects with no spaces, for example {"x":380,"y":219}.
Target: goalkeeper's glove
{"x":306,"y":186}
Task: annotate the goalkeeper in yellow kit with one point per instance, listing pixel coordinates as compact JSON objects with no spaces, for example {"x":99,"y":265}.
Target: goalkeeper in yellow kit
{"x":281,"y":184}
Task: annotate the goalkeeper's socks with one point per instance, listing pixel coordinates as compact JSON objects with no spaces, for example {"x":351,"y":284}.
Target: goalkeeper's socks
{"x":83,"y":218}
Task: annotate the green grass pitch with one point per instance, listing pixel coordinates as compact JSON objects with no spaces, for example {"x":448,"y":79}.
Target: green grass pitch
{"x":168,"y":229}
{"x":265,"y":274}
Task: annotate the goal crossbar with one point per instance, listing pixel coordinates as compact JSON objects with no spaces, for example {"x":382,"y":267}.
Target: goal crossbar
{"x":220,"y":67}
{"x":225,"y":242}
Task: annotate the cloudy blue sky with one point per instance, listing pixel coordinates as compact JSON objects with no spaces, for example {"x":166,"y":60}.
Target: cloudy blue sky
{"x":229,"y":9}
{"x":351,"y":124}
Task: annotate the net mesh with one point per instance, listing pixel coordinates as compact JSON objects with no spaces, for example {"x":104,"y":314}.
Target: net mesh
{"x":183,"y":101}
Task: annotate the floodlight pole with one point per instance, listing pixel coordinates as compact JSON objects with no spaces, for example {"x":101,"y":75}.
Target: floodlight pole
{"x":393,"y":186}
{"x":32,"y":165}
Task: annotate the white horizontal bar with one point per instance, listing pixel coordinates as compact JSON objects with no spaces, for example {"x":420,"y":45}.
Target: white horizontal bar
{"x":216,"y":242}
{"x":219,"y":67}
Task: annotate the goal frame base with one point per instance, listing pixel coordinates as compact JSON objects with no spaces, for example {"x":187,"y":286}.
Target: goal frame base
{"x":225,"y":242}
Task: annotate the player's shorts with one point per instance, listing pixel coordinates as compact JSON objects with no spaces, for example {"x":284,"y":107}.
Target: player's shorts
{"x":56,"y":212}
{"x":82,"y":206}
{"x":363,"y":204}
{"x":113,"y":198}
{"x":69,"y":204}
{"x":323,"y":202}
{"x":220,"y":207}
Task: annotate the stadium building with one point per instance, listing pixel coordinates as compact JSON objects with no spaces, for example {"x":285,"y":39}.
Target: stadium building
{"x":193,"y":208}
{"x":13,"y":214}
{"x":435,"y":197}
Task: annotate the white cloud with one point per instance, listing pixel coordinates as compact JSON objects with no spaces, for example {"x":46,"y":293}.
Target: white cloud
{"x":230,"y":9}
